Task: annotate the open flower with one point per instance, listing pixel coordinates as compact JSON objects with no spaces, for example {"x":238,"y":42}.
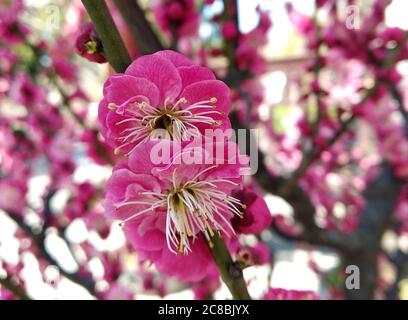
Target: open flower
{"x":170,"y":207}
{"x":181,"y":201}
{"x":162,"y":91}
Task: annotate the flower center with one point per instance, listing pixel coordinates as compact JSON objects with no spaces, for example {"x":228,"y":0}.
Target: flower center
{"x":192,"y":207}
{"x":91,"y":47}
{"x":144,"y":120}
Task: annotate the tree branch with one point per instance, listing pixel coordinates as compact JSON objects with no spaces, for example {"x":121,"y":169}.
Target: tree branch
{"x":381,"y":199}
{"x":142,"y":32}
{"x":230,"y":272}
{"x":10,"y":285}
{"x":400,"y":102}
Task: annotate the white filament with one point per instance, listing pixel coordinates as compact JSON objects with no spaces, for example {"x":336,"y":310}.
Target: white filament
{"x":183,"y":122}
{"x":192,"y":207}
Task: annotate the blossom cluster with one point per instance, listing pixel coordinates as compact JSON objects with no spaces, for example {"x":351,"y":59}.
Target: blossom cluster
{"x":138,"y":188}
{"x":170,"y":207}
{"x":44,"y":125}
{"x":332,"y":91}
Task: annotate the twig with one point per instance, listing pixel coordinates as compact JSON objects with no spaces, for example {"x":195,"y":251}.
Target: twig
{"x":400,"y":101}
{"x":47,"y":215}
{"x":231,"y":273}
{"x":143,"y":35}
{"x":10,"y":285}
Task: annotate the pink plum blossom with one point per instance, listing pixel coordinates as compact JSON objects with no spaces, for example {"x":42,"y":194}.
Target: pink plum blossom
{"x":88,"y":44}
{"x":12,"y":31}
{"x":256,"y":213}
{"x":163,"y":91}
{"x":174,"y":207}
{"x":25,"y":92}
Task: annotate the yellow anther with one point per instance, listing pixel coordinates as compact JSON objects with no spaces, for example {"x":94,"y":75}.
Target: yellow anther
{"x":209,"y":228}
{"x":181,"y":246}
{"x":91,"y":47}
{"x":213,"y":100}
{"x":116,"y":151}
{"x":112,"y":106}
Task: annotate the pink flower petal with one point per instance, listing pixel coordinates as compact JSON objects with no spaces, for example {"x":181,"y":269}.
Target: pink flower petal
{"x":207,"y":89}
{"x":120,"y":88}
{"x":176,"y":58}
{"x":192,"y":267}
{"x":194,"y":74}
{"x":141,"y":160}
{"x":151,"y":240}
{"x":118,"y":182}
{"x":160,"y":71}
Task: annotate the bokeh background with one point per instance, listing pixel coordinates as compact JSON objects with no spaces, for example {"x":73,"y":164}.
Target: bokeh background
{"x":60,"y":200}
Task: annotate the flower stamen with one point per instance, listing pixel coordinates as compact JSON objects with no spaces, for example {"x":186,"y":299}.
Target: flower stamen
{"x":192,"y":207}
{"x":180,"y":124}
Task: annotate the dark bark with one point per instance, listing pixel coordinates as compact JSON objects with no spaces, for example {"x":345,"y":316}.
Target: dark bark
{"x":381,"y":198}
{"x":142,"y":32}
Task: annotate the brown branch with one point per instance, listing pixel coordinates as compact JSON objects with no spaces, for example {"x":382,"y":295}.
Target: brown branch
{"x":230,"y":272}
{"x":13,"y":287}
{"x":113,"y":47}
{"x":400,"y":261}
{"x":396,"y":95}
{"x":39,"y":240}
{"x":381,"y":199}
{"x":142,"y":32}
